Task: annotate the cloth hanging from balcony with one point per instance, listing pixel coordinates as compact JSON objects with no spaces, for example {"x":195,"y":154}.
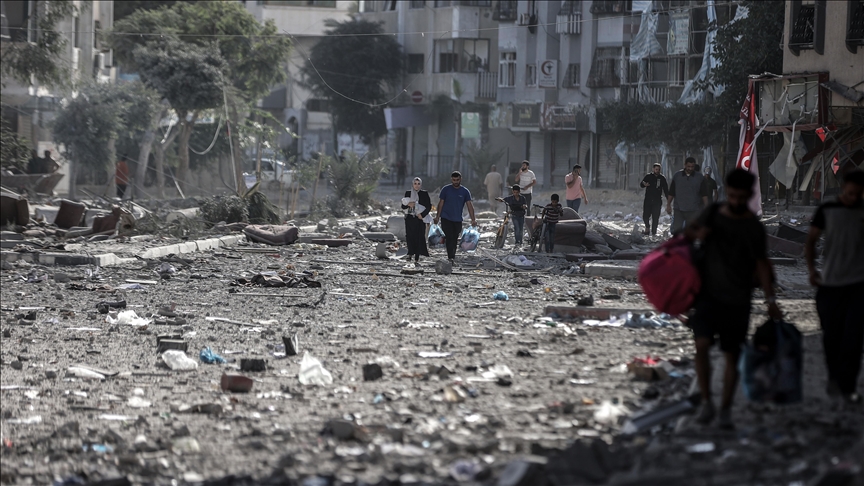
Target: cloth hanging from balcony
{"x":645,"y":42}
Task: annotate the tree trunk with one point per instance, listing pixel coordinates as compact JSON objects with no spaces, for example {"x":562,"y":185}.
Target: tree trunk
{"x":239,"y":182}
{"x":183,"y":148}
{"x":144,"y":148}
{"x":457,"y":155}
{"x":111,"y":189}
{"x":159,"y":158}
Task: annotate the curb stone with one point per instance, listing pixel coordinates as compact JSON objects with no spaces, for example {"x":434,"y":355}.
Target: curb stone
{"x":110,"y":259}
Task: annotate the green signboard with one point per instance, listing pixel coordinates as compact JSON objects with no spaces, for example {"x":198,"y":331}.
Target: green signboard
{"x":470,"y":125}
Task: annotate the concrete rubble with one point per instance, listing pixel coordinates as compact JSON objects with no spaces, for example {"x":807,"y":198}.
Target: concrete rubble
{"x":156,"y":351}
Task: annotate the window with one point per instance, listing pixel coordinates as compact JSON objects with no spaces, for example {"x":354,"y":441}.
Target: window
{"x":807,"y":26}
{"x":570,"y":7}
{"x":462,"y":55}
{"x":571,"y":76}
{"x":504,"y":10}
{"x":605,"y":68}
{"x":530,"y":75}
{"x":676,"y":71}
{"x":609,"y":6}
{"x":418,"y":3}
{"x":415,"y":63}
{"x":855,"y":26}
{"x":317,"y":104}
{"x":507,"y":70}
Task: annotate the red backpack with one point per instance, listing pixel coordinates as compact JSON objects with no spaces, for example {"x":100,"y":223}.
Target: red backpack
{"x":669,"y":277}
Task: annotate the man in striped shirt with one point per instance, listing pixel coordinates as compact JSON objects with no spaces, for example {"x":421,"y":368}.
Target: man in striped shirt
{"x":551,"y":214}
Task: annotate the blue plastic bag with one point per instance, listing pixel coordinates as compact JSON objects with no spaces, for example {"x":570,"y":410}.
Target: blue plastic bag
{"x":208,"y":356}
{"x":771,"y":365}
{"x":436,"y":235}
{"x":469,"y":239}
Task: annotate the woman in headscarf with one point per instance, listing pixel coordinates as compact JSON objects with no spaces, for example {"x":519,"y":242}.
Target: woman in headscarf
{"x":417,"y":205}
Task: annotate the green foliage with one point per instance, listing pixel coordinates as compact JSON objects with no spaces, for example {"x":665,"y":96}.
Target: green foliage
{"x":358,"y":62}
{"x":261,"y":210}
{"x":39,"y":60}
{"x":86,"y":124}
{"x":100,"y":113}
{"x":681,"y":127}
{"x":253,"y":54}
{"x":14,"y":150}
{"x":188,"y":76}
{"x":252,"y":207}
{"x":355,"y":178}
{"x":481,"y":159}
{"x":230,"y":209}
{"x":752,"y":45}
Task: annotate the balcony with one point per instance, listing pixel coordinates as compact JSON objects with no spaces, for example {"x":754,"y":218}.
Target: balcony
{"x":660,"y":92}
{"x":482,"y":86}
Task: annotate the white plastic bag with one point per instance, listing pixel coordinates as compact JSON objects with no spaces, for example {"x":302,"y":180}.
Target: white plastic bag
{"x":312,"y":372}
{"x":178,"y":361}
{"x":127,"y":318}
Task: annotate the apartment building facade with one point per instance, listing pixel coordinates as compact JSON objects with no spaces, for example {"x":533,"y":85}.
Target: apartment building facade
{"x":302,"y":112}
{"x":29,"y":108}
{"x":554,"y":63}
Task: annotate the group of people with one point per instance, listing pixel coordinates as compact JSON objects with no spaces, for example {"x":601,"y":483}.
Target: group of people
{"x":733,"y":260}
{"x":689,"y":193}
{"x":42,"y":165}
{"x":734,"y":256}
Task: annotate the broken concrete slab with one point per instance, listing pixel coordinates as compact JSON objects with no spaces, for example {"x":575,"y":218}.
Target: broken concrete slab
{"x":188,"y":213}
{"x":588,"y":312}
{"x":791,"y":233}
{"x":625,"y":269}
{"x":331,"y":242}
{"x":308,"y":237}
{"x":786,"y":247}
{"x":383,"y":237}
{"x":636,"y":255}
{"x":576,"y":257}
{"x":396,"y":225}
{"x":615,"y":243}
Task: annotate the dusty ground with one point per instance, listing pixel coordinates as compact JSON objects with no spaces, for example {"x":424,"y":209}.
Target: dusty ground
{"x":428,"y":420}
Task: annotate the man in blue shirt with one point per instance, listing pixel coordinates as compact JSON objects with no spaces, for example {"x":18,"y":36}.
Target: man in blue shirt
{"x":450,"y":203}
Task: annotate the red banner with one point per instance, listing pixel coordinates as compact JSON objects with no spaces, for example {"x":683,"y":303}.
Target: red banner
{"x":747,"y":147}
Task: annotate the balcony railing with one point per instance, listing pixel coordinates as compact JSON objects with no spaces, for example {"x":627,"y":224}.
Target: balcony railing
{"x":487,"y":85}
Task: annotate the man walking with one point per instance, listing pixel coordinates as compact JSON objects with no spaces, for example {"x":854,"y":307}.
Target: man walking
{"x":685,"y":195}
{"x":450,"y":203}
{"x":518,"y":204}
{"x":575,"y":192}
{"x":526,"y":180}
{"x":655,"y":189}
{"x":841,"y":284}
{"x":493,"y":183}
{"x":710,"y":188}
{"x":735,"y":244}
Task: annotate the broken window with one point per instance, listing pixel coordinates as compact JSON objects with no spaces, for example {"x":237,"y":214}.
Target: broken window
{"x":855,"y":25}
{"x":605,"y":68}
{"x":462,"y":55}
{"x":415,"y":63}
{"x":610,"y":6}
{"x":571,"y":76}
{"x":504,"y":10}
{"x":807,"y":26}
{"x":530,"y":75}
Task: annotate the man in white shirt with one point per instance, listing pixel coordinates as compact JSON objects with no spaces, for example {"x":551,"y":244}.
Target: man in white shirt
{"x":525,"y":178}
{"x":493,"y":183}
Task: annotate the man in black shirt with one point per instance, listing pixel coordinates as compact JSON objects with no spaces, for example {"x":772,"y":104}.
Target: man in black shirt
{"x":841,"y":284}
{"x":518,"y":204}
{"x":734,"y":245}
{"x":655,"y":189}
{"x":709,"y":188}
